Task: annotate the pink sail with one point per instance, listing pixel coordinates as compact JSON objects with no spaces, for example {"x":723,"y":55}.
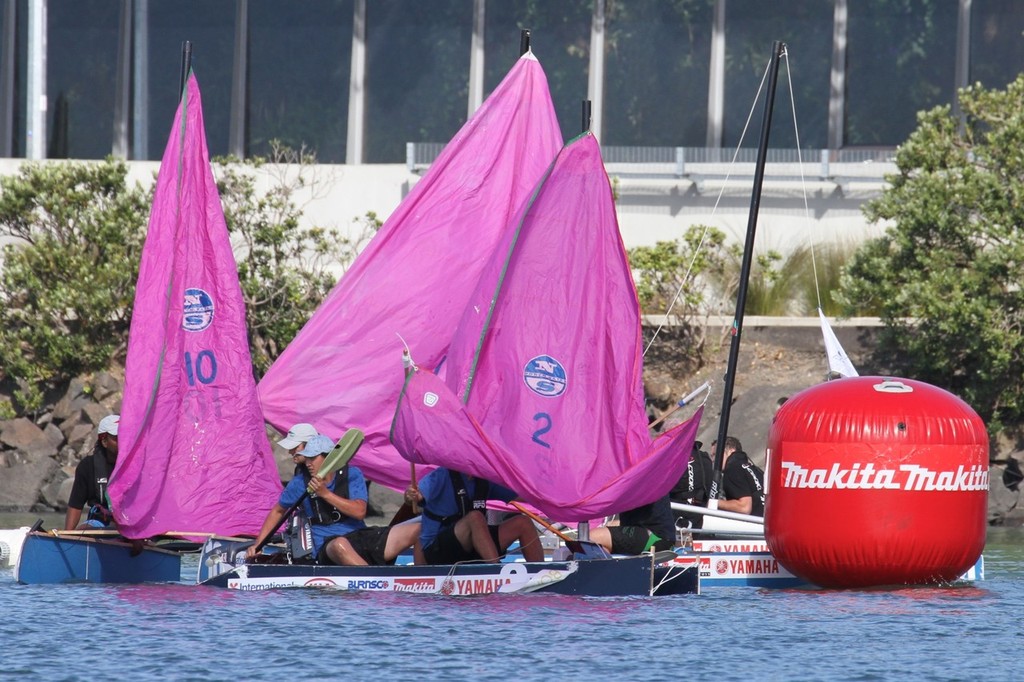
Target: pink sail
{"x":343,"y":369}
{"x":193,"y":450}
{"x":544,"y":379}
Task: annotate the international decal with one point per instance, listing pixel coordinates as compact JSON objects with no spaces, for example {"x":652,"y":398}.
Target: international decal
{"x":198,"y":310}
{"x":545,"y":376}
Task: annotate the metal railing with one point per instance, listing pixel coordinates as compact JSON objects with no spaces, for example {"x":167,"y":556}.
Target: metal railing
{"x":680,"y":162}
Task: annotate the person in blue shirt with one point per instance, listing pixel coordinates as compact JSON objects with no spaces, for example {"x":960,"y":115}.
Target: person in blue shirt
{"x":454,"y":522}
{"x":335,"y":507}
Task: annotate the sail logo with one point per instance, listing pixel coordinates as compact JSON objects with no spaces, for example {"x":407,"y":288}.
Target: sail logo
{"x":866,"y":477}
{"x":198,"y":310}
{"x":430,"y":399}
{"x":545,"y":376}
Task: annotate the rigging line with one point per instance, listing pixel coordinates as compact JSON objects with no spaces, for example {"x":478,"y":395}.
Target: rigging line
{"x":714,"y":209}
{"x":800,"y":165}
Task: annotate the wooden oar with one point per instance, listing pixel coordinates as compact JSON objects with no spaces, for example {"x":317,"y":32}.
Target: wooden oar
{"x":681,"y":404}
{"x":560,"y":534}
{"x":338,"y":457}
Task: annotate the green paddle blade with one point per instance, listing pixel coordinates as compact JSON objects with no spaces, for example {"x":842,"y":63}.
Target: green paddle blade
{"x":340,"y":455}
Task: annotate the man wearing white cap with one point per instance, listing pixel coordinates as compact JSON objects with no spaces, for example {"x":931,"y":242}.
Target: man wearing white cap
{"x":91,"y":477}
{"x":297,"y":437}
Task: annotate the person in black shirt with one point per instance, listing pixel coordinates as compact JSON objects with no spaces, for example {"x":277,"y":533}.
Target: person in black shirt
{"x":694,"y":486}
{"x":742,"y":481}
{"x":639,"y":529}
{"x":91,"y":478}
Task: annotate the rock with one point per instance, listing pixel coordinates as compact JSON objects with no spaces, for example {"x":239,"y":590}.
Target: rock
{"x":82,"y":437}
{"x":68,"y":424}
{"x":54,"y":435}
{"x":52,"y":491}
{"x":20,"y":433}
{"x":74,"y":399}
{"x":104,"y":385}
{"x":20,"y":484}
{"x":94,"y":412}
{"x":384,"y":500}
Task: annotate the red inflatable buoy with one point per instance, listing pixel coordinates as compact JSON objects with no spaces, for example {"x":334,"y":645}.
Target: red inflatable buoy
{"x":876,"y":481}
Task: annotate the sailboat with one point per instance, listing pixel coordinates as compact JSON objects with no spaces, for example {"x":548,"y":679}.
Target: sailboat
{"x":435,"y":306}
{"x":194,"y":456}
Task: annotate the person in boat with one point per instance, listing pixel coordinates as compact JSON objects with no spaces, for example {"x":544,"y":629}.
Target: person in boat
{"x":639,"y":530}
{"x":454,"y":524}
{"x":335,"y":510}
{"x":92,"y":474}
{"x":742,"y":481}
{"x":694,"y":486}
{"x":335,"y":507}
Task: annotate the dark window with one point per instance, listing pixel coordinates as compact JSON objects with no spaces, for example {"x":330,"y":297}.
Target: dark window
{"x":900,"y":60}
{"x":805,"y":26}
{"x":210,"y":26}
{"x":299,"y":62}
{"x":997,"y":42}
{"x":656,"y":73}
{"x":417,"y":62}
{"x":561,"y":41}
{"x":81,"y":63}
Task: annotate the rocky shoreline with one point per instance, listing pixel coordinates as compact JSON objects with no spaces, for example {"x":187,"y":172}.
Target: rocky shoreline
{"x":38,"y":456}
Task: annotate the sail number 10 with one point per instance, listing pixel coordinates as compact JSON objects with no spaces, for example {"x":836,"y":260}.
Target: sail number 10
{"x":203,"y":368}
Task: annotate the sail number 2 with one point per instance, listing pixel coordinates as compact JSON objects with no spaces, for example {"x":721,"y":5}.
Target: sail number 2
{"x":203,"y":368}
{"x":545,"y":420}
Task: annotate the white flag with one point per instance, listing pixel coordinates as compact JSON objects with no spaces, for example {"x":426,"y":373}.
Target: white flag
{"x":838,"y":361}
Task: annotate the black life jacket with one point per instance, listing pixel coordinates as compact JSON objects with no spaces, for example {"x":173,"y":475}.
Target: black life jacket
{"x":325,"y":513}
{"x":757,"y":475}
{"x":463,"y":501}
{"x":101,"y":476}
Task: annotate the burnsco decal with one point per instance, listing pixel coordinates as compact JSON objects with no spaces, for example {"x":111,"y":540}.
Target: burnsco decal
{"x":198,"y":310}
{"x":866,"y":477}
{"x":367,"y":585}
{"x":545,"y":376}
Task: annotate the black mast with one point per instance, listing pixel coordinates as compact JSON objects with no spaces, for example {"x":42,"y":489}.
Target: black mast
{"x":778,"y":48}
{"x":186,"y":64}
{"x":524,"y":41}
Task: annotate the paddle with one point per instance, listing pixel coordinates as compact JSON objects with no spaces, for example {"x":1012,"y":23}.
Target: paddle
{"x":338,"y":457}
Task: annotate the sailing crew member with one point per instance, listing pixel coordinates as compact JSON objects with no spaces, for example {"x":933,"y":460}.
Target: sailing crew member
{"x":335,"y":507}
{"x":640,"y":529}
{"x":742,"y":481}
{"x":454,"y":521}
{"x":91,"y":477}
{"x":694,"y":486}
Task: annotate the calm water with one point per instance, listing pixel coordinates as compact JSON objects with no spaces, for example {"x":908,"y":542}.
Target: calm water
{"x":80,"y":632}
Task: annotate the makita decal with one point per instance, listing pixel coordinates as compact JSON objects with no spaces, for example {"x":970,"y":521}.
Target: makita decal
{"x":414,"y":584}
{"x":867,"y":477}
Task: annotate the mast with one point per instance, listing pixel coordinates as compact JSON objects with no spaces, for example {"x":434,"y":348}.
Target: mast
{"x":778,"y":48}
{"x":186,"y":64}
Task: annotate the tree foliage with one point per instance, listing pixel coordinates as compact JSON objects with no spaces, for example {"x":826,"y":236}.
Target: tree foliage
{"x":69,"y":272}
{"x":75,"y":233}
{"x":945,"y":276}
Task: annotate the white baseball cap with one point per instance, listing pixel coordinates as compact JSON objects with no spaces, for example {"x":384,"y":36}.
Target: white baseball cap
{"x":109,"y":424}
{"x":298,"y":434}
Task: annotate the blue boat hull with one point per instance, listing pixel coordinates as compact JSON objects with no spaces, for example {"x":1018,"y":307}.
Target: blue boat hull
{"x":48,"y":559}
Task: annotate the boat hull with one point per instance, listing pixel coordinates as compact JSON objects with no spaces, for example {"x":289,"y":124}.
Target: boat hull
{"x":615,"y":577}
{"x":49,"y":559}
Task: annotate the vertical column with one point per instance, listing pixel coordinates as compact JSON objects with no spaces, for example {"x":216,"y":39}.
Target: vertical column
{"x":123,"y":82}
{"x":716,"y":77}
{"x":239,"y":82}
{"x":140,"y":77}
{"x":357,"y":87}
{"x":35,"y":128}
{"x":476,"y":59}
{"x":595,"y":84}
{"x":963,"y":54}
{"x":837,"y":81}
{"x":7,"y":94}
